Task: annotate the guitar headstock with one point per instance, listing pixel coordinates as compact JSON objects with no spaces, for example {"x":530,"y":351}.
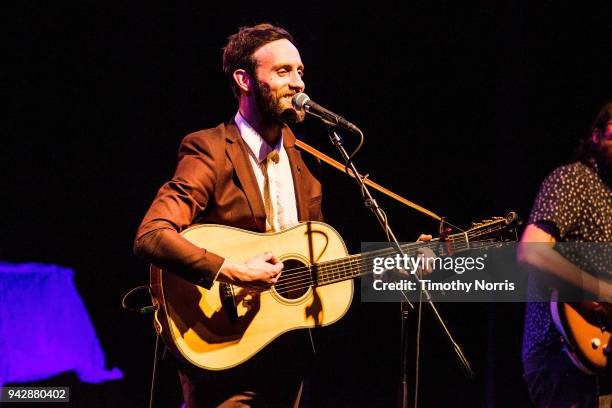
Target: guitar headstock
{"x":500,"y":229}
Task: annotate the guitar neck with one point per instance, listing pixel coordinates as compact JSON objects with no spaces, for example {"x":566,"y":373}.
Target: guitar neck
{"x":338,"y":270}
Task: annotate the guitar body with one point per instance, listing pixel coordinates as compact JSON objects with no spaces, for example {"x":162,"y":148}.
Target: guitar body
{"x":223,"y":327}
{"x":585,"y":328}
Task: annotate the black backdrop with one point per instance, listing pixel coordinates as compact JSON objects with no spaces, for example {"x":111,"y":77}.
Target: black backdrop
{"x":465,"y":109}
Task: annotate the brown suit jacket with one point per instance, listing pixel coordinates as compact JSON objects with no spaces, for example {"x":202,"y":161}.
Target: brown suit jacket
{"x":214,"y":183}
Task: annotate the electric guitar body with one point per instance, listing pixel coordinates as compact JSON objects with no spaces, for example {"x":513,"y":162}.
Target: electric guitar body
{"x":585,"y":330}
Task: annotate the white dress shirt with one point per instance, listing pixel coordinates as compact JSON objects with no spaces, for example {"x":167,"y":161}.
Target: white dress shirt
{"x":282,"y":191}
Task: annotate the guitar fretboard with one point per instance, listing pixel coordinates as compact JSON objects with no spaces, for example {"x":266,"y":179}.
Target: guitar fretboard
{"x":353,"y":266}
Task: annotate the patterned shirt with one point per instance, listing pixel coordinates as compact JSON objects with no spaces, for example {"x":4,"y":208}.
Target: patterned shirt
{"x":574,"y":204}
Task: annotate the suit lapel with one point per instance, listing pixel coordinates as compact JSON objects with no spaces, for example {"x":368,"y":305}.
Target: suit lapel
{"x":239,"y":156}
{"x":295,"y":160}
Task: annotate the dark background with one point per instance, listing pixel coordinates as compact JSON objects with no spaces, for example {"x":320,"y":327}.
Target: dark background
{"x":465,"y":109}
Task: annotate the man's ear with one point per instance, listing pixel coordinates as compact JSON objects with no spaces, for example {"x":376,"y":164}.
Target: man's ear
{"x":244,"y":80}
{"x":595,"y":136}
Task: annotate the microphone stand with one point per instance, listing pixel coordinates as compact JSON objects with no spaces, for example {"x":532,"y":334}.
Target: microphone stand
{"x":405,"y":306}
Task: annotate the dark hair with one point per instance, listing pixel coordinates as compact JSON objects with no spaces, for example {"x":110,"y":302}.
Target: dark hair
{"x":238,"y":53}
{"x":586,"y":149}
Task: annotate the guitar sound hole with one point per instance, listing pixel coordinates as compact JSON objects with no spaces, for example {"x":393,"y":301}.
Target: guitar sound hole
{"x":294,"y":280}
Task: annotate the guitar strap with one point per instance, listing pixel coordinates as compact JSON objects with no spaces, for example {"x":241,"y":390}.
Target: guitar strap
{"x":325,"y":158}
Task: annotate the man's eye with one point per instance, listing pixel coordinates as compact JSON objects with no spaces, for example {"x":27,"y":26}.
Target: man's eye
{"x":282,"y":71}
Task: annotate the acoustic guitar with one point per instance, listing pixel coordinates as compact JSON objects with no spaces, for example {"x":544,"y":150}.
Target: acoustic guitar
{"x":224,"y":326}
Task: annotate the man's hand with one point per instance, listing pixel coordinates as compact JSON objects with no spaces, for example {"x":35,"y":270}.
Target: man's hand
{"x":258,"y":273}
{"x":427,"y":254}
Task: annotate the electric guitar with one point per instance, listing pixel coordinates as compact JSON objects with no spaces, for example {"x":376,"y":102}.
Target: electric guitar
{"x":585,"y":328}
{"x":224,"y":326}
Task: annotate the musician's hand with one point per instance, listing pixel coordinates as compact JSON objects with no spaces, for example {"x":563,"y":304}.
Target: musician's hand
{"x":258,"y":273}
{"x":427,"y":254}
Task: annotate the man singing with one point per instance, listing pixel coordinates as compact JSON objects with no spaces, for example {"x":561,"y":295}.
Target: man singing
{"x":245,"y":173}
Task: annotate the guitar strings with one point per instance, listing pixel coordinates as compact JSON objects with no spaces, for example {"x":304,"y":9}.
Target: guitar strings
{"x":368,"y":256}
{"x":302,"y":277}
{"x":338,"y":267}
{"x":327,"y":266}
{"x":419,"y":244}
{"x":267,"y":296}
{"x":343,"y":272}
{"x":384,"y":251}
{"x":347,"y":273}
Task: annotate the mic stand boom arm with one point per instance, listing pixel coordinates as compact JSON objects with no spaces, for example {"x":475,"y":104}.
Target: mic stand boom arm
{"x":406,"y":306}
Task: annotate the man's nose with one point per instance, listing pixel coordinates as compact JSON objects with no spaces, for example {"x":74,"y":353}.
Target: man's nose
{"x":297,"y":83}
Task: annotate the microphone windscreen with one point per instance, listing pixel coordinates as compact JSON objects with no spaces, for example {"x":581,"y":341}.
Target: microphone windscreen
{"x":299,"y":100}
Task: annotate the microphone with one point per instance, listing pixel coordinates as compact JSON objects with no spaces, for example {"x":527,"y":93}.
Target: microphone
{"x":301,"y":102}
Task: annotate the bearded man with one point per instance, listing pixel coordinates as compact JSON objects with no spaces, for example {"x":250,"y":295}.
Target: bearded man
{"x":245,"y":173}
{"x":574,"y":205}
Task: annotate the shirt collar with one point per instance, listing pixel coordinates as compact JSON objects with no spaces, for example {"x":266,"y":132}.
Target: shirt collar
{"x":258,"y":147}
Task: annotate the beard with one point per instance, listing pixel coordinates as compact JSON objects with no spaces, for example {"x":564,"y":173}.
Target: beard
{"x":275,"y":107}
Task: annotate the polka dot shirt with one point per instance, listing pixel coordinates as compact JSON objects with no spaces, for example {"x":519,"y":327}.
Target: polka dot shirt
{"x":574,"y":204}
